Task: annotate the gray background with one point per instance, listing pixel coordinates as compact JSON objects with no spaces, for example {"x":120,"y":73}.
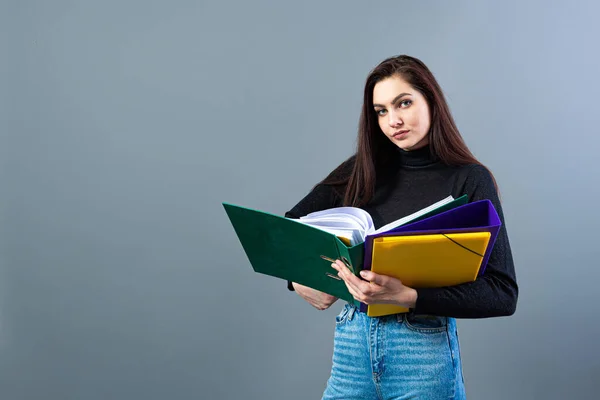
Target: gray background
{"x":125,"y":124}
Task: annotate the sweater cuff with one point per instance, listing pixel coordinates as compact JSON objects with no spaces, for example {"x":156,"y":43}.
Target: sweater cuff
{"x":290,"y":286}
{"x":426,"y":299}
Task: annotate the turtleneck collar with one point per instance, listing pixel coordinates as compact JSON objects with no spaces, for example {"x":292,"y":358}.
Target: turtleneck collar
{"x":421,"y":157}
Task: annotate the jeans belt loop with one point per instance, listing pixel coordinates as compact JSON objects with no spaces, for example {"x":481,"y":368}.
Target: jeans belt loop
{"x":351,"y":313}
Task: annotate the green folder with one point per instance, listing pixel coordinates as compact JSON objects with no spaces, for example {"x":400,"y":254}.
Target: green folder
{"x":287,"y":249}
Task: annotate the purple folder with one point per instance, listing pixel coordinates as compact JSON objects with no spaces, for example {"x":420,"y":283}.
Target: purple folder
{"x":479,"y":216}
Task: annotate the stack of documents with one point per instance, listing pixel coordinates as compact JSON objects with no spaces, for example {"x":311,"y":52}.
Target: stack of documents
{"x":448,"y":243}
{"x":354,"y":224}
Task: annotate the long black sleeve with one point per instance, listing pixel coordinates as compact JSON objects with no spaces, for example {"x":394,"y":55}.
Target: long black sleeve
{"x":495,"y":292}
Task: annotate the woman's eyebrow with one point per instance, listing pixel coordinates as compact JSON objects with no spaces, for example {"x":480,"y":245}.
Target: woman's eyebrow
{"x":395,"y":99}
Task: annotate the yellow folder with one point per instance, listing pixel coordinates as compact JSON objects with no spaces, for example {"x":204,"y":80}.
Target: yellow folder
{"x":431,"y":260}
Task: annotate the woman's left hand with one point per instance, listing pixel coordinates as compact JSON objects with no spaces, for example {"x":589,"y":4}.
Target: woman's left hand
{"x":377,"y":289}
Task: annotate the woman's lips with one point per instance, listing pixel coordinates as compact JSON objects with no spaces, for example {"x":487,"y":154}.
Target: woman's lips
{"x":400,"y":134}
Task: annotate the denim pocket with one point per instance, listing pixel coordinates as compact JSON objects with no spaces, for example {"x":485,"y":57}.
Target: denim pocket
{"x":426,"y":323}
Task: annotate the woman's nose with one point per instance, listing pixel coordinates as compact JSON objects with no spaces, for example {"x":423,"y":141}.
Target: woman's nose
{"x":394,"y":119}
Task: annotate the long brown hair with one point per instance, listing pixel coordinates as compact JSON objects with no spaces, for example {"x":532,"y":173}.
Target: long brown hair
{"x":374,"y":150}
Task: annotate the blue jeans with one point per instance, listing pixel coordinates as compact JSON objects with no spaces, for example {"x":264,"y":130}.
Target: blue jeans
{"x":394,"y":357}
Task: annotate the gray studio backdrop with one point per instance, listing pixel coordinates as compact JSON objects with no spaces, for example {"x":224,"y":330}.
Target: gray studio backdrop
{"x":127,"y":123}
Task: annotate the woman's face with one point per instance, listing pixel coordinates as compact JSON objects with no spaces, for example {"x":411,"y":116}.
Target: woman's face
{"x":402,"y":113}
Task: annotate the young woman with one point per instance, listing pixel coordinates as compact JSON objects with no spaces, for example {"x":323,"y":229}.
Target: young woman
{"x":410,"y":154}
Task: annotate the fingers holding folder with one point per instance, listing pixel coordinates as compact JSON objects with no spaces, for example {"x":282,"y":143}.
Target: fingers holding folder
{"x":376,"y":288}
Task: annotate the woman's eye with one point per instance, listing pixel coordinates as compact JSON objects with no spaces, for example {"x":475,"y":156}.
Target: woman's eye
{"x":405,"y":103}
{"x":380,"y":112}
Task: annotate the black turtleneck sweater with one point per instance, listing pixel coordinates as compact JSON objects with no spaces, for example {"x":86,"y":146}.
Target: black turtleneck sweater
{"x":417,"y":180}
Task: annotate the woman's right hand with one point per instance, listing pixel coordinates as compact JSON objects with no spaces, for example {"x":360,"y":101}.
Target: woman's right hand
{"x":319,"y":300}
